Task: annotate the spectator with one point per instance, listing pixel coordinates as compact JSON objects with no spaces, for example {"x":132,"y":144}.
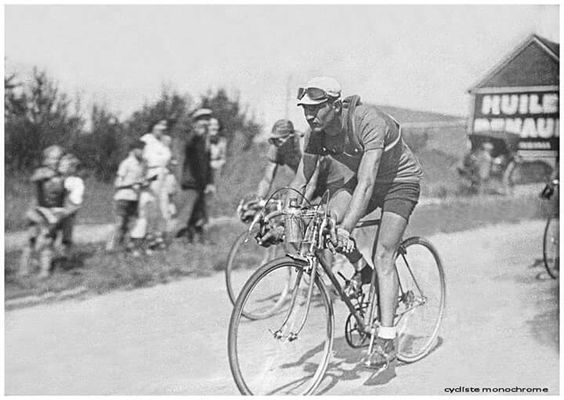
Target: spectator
{"x":484,"y":164}
{"x":50,"y":194}
{"x":59,"y":194}
{"x":170,"y":188}
{"x":153,"y":201}
{"x":197,"y":179}
{"x":217,"y":147}
{"x":128,"y":182}
{"x":74,"y":193}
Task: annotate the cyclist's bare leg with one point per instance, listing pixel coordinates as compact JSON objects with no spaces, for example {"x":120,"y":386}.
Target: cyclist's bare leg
{"x":391,"y":231}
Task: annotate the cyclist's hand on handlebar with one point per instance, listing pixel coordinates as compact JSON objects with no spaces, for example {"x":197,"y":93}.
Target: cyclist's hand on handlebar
{"x":339,"y":237}
{"x":273,"y":235}
{"x":345,"y":243}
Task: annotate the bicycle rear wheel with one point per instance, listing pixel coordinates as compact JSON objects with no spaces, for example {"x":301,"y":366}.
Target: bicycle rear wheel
{"x":264,"y":364}
{"x":422,"y":298}
{"x":245,"y":257}
{"x":550,"y":251}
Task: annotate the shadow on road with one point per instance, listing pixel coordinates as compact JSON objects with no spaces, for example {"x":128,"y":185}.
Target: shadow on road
{"x":344,"y":356}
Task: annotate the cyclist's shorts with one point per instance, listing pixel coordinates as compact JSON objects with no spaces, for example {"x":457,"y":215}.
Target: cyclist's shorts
{"x":398,"y":198}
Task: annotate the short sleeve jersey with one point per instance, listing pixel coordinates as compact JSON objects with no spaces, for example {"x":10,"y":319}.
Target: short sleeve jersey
{"x":289,"y":153}
{"x":372,"y":129}
{"x":130,"y":171}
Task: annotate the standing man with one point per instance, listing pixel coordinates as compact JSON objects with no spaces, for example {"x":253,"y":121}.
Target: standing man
{"x":196,"y":180}
{"x":386,"y":174}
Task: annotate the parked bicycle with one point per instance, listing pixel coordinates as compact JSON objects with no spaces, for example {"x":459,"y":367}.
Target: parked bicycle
{"x":551,"y":242}
{"x":288,"y":351}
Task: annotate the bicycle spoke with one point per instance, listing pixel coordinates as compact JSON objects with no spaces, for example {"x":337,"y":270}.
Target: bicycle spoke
{"x":264,"y":356}
{"x":421,"y":301}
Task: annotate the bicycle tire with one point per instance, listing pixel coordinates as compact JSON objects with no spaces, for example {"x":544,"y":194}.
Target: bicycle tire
{"x":550,"y":251}
{"x":406,"y":340}
{"x":232,"y":289}
{"x":257,"y":331}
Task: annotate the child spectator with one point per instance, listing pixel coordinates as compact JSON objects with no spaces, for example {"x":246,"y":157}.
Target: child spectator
{"x":74,"y":194}
{"x":42,"y":216}
{"x":128,"y":183}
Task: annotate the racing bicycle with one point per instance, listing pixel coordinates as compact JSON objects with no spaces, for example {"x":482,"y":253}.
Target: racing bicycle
{"x":287,"y":351}
{"x":550,"y":242}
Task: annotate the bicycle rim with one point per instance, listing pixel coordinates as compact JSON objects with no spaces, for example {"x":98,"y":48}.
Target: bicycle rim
{"x":264,"y":365}
{"x":550,"y":251}
{"x":422,"y":298}
{"x":245,"y":257}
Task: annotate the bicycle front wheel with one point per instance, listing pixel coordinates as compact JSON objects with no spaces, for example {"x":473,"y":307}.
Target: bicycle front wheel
{"x":550,"y":251}
{"x":421,"y":299}
{"x":244,"y":258}
{"x":264,"y":357}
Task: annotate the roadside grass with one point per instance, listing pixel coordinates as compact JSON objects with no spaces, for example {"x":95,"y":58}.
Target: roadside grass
{"x":99,"y":271}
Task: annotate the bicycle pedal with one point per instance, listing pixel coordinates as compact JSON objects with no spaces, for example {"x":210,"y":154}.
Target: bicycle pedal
{"x":368,"y":363}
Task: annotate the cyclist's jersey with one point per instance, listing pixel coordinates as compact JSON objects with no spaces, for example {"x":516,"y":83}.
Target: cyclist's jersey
{"x":289,"y":153}
{"x":367,"y":128}
{"x":332,"y":176}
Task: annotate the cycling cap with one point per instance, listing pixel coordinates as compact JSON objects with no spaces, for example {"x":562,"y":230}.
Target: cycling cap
{"x":201,"y":114}
{"x":53,"y":151}
{"x":318,"y":90}
{"x":282,"y":128}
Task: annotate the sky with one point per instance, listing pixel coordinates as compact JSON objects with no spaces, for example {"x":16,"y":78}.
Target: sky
{"x":423,"y":57}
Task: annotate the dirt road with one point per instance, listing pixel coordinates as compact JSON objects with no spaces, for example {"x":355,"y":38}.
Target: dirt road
{"x":501,"y":330}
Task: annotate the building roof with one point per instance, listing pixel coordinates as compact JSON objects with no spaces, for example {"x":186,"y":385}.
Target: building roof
{"x":535,"y":62}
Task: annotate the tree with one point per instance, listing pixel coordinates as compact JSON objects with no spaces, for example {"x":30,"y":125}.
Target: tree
{"x":233,"y":117}
{"x":102,"y":148}
{"x":170,"y":106}
{"x":37,"y":115}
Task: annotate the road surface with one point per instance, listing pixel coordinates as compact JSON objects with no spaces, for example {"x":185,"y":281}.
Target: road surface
{"x":501,"y":330}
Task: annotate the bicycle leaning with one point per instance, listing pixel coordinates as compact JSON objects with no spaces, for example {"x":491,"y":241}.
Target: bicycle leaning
{"x":246,"y":255}
{"x":551,"y":242}
{"x":287,"y":351}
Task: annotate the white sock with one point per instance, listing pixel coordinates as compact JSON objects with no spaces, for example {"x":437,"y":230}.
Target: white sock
{"x":387,"y":332}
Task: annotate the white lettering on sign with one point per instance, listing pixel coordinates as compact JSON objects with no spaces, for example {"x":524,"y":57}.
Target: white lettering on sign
{"x":513,"y":125}
{"x":529,"y":129}
{"x":544,"y":128}
{"x":524,"y":104}
{"x":509,"y":104}
{"x":534,"y":145}
{"x":550,"y":103}
{"x":534,"y":106}
{"x":490,"y":105}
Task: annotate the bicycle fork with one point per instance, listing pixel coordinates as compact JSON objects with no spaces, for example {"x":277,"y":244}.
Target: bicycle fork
{"x":289,"y":323}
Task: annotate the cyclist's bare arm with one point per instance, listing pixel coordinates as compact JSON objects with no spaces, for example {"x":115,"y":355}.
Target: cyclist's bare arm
{"x":312,"y":184}
{"x":307,"y":170}
{"x":266,"y":183}
{"x":366,"y":177}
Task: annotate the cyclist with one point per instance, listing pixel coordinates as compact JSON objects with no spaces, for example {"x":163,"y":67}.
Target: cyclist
{"x":367,"y":142}
{"x":285,"y":149}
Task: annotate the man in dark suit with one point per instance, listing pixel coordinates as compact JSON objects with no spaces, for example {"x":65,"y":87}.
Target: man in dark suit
{"x":196,"y":180}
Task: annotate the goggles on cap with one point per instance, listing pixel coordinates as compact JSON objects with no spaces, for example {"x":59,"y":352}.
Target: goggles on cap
{"x":279,"y":141}
{"x":313,"y":93}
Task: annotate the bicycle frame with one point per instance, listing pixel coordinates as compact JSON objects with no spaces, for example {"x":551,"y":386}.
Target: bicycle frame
{"x":318,"y":256}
